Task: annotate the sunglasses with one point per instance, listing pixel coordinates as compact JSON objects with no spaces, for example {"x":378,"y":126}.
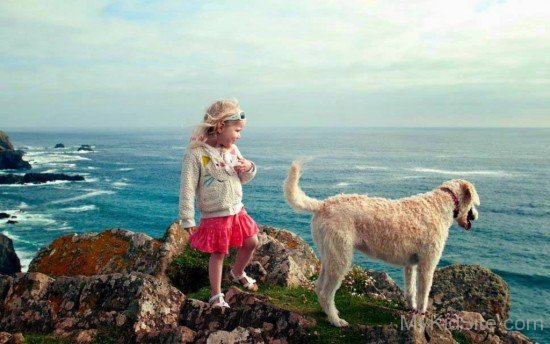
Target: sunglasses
{"x":239,"y":116}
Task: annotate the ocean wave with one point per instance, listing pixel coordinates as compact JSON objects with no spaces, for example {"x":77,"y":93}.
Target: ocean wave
{"x":460,"y":173}
{"x":125,"y":169}
{"x":55,"y":182}
{"x":52,"y":159}
{"x":366,"y":167}
{"x":80,"y":209}
{"x":525,"y":279}
{"x":93,"y":193}
{"x":121,"y":183}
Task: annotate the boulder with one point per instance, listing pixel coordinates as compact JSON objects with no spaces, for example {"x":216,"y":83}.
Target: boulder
{"x":11,"y":159}
{"x":37,"y":178}
{"x":4,"y":216}
{"x":374,"y":284}
{"x":111,"y":251}
{"x":471,"y":288}
{"x":5,"y":142}
{"x":9,"y":262}
{"x":132,"y":305}
{"x":261,"y":319}
{"x":59,"y":145}
{"x":412,"y":329}
{"x":85,"y":148}
{"x":285,"y":257}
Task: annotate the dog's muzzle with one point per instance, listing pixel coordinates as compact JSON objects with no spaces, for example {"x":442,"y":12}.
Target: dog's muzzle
{"x":469,"y":219}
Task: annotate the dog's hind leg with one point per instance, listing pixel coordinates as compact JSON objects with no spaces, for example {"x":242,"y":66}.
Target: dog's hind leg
{"x":410,"y":285}
{"x":426,"y":268}
{"x":336,"y":256}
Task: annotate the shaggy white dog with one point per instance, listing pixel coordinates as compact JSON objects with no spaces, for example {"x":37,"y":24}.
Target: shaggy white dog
{"x":409,"y":232}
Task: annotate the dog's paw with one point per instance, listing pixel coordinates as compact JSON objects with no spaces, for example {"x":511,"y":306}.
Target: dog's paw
{"x":340,"y":323}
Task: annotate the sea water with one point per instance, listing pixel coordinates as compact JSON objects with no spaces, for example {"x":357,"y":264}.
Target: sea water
{"x":132,"y":182}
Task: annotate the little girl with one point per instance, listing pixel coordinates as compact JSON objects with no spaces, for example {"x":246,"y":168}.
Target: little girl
{"x":213,"y":171}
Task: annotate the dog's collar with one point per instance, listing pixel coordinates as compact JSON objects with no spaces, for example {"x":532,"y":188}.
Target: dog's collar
{"x":455,"y":199}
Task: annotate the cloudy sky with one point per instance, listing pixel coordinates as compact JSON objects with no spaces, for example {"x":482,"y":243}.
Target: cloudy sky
{"x":464,"y":63}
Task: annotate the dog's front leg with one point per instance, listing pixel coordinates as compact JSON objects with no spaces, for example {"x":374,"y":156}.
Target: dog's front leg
{"x":410,"y":286}
{"x":425,"y":269}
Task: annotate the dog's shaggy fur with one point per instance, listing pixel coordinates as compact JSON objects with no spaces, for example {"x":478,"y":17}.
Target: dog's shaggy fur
{"x":409,"y":232}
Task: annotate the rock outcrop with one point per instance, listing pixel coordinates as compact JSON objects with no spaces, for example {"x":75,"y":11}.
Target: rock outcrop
{"x":111,"y":251}
{"x":85,"y":148}
{"x":285,"y":257}
{"x":59,"y":145}
{"x":11,"y":159}
{"x":131,"y":305}
{"x":9,"y":262}
{"x":471,"y":288}
{"x":113,"y":285}
{"x":37,"y":178}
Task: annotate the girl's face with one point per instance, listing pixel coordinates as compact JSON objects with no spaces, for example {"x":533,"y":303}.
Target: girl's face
{"x":229,"y":133}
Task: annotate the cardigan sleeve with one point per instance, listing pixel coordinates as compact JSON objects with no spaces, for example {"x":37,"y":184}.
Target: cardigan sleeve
{"x":190,"y":175}
{"x":246,"y":176}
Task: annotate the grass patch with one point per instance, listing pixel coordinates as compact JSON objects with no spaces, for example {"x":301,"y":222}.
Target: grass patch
{"x":357,"y":310}
{"x":35,"y":338}
{"x":461,"y":338}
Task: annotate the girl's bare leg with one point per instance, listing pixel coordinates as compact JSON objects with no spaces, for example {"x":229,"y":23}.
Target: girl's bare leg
{"x":245,"y":254}
{"x":215,"y":266}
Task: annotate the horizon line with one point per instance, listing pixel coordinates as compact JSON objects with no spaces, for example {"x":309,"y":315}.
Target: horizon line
{"x":151,"y":128}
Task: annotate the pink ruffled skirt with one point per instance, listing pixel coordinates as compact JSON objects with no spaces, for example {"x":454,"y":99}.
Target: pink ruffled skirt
{"x":217,"y":234}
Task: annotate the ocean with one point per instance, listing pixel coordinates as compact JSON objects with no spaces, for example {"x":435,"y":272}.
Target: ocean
{"x":132,"y":182}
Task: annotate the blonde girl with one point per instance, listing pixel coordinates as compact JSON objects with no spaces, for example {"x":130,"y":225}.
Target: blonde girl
{"x":213,"y":172}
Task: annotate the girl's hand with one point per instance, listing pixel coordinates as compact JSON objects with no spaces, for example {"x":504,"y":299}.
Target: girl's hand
{"x":191,"y":230}
{"x":243,"y":166}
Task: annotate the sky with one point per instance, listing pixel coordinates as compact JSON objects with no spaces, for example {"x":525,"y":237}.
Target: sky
{"x":127,"y":64}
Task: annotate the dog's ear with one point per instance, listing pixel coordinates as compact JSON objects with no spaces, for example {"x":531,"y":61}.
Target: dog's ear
{"x":469,"y":193}
{"x":466,"y":193}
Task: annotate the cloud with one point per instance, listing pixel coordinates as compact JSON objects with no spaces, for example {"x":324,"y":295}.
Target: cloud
{"x":177,"y":53}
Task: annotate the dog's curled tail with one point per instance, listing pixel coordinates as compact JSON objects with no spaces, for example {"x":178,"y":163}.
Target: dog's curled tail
{"x":294,"y":195}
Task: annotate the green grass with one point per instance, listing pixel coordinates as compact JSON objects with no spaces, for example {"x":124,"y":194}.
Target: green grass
{"x":357,"y":310}
{"x":34,"y":338}
{"x":461,"y":338}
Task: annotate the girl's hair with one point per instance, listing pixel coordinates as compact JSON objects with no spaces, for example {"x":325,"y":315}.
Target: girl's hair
{"x":215,"y":114}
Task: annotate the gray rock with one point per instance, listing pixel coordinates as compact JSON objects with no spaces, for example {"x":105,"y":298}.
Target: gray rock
{"x":471,"y":288}
{"x":73,"y":307}
{"x":9,"y":262}
{"x":11,"y":159}
{"x":111,"y":251}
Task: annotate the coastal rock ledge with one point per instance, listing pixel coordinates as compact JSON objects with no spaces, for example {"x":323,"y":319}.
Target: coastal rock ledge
{"x":11,"y":159}
{"x":114,"y":287}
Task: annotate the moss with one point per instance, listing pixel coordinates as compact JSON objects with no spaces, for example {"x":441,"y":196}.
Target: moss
{"x":189,"y":271}
{"x":33,"y":338}
{"x":461,"y":338}
{"x":357,"y":310}
{"x":89,"y":255}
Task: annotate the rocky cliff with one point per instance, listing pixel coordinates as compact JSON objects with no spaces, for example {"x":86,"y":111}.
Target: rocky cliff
{"x":120,"y":286}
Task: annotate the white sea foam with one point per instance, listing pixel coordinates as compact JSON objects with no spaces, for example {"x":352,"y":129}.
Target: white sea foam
{"x":92,"y":193}
{"x":55,"y":182}
{"x":92,"y":168}
{"x":121,"y":183}
{"x":80,"y":209}
{"x":460,"y":173}
{"x":91,"y":180}
{"x":341,"y":184}
{"x":52,"y":158}
{"x":50,"y":171}
{"x":366,"y":167}
{"x":23,"y":205}
{"x":125,"y":169}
